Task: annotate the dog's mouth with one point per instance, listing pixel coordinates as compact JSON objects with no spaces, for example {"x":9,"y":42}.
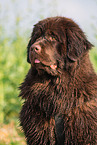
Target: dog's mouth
{"x":52,"y":66}
{"x":37,"y":61}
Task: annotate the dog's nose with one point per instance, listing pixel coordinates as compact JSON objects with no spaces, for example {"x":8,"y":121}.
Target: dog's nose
{"x":36,"y":48}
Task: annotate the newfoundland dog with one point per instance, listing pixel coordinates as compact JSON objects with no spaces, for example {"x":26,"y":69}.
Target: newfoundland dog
{"x":60,"y":89}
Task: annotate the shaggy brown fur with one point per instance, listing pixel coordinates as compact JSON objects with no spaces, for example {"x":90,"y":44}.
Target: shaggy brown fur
{"x":60,"y":89}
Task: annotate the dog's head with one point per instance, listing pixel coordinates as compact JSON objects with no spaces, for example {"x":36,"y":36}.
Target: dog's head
{"x":55,"y":42}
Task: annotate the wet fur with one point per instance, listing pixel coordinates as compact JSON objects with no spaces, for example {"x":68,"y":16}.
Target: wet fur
{"x":69,"y":91}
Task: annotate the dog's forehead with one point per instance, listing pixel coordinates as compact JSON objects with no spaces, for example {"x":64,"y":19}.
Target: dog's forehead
{"x":49,"y":25}
{"x":46,"y":38}
{"x":52,"y":30}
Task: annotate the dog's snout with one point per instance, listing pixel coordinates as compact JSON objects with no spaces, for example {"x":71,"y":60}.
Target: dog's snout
{"x":36,"y":48}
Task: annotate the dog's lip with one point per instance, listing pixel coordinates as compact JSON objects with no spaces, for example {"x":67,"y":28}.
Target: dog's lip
{"x":52,"y":66}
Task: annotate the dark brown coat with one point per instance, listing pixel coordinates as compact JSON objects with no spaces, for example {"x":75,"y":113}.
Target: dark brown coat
{"x":60,"y":89}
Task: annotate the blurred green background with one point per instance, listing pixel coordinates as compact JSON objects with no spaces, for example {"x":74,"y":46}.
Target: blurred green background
{"x":13,"y":65}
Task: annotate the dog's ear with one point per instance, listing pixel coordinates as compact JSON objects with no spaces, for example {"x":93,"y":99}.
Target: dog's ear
{"x":77,"y":43}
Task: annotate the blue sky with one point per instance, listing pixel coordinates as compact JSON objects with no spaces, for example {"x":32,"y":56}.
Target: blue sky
{"x":28,"y":12}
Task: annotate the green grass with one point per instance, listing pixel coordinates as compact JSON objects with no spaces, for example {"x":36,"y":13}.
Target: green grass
{"x":13,"y":68}
{"x":93,"y":58}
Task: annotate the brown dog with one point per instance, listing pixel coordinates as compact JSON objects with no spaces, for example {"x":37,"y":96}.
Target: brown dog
{"x":60,"y":89}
